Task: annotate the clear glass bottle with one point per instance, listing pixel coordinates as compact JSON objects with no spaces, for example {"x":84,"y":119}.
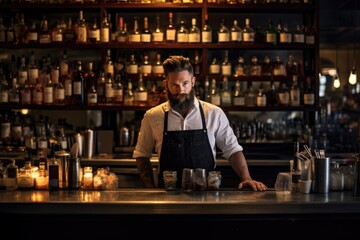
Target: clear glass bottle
{"x":254,"y":69}
{"x":129,"y":94}
{"x":194,"y":32}
{"x":225,"y":95}
{"x":118,"y":90}
{"x":238,"y":98}
{"x":134,"y":35}
{"x":109,"y":67}
{"x":158,"y":34}
{"x":206,"y":31}
{"x":11,"y":180}
{"x":214,"y":68}
{"x":81,"y":29}
{"x":145,"y":66}
{"x":283,"y":94}
{"x":261,"y":96}
{"x":250,"y":95}
{"x":170,"y":30}
{"x":109,"y":88}
{"x":59,"y":93}
{"x":42,"y":180}
{"x":44,"y":33}
{"x":279,"y":68}
{"x":22,"y":71}
{"x":299,"y":35}
{"x":295,"y":92}
{"x":235,"y":33}
{"x":105,"y":29}
{"x":57,"y":33}
{"x":140,"y":93}
{"x":132,"y":66}
{"x":240,"y":68}
{"x":90,"y":79}
{"x":182,"y":33}
{"x":157,"y":68}
{"x":49,"y":92}
{"x":226,"y":68}
{"x":223,"y":33}
{"x":248,"y":32}
{"x":215,"y":95}
{"x":25,"y":177}
{"x":94,"y":32}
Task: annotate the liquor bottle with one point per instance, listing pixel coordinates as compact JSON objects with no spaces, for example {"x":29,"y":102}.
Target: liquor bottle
{"x":238,"y":98}
{"x":38,"y":94}
{"x":68,"y":87}
{"x":94,"y":32}
{"x":240,"y":67}
{"x":261,"y":96}
{"x":81,"y":29}
{"x":4,"y":88}
{"x":26,"y":94}
{"x":55,"y":72}
{"x":295,"y":92}
{"x":64,"y":66}
{"x":118,"y":90}
{"x":109,"y":64}
{"x":22,"y":71}
{"x":2,"y":176}
{"x":90,"y":79}
{"x":225,"y":95}
{"x":235,"y":33}
{"x":215,"y":96}
{"x":32,"y":35}
{"x":206,"y":31}
{"x":271,"y":95}
{"x":248,"y":32}
{"x":182,"y":33}
{"x":271,"y":33}
{"x":11,"y":180}
{"x":266,"y":67}
{"x":10,"y":33}
{"x":145,"y":35}
{"x":129,"y":94}
{"x":109,"y":89}
{"x":132,"y":66}
{"x":214,"y":68}
{"x":153,"y":95}
{"x":310,"y":35}
{"x":170,"y":30}
{"x":285,"y":36}
{"x":207,"y":90}
{"x":250,"y":95}
{"x":57,"y":35}
{"x":194,"y":32}
{"x":69,"y":32}
{"x":54,"y":170}
{"x":14,"y":92}
{"x":140,"y":93}
{"x":49,"y":92}
{"x":158,"y":34}
{"x":78,"y":84}
{"x":254,"y":68}
{"x":283,"y":94}
{"x":59,"y":96}
{"x":122,"y":35}
{"x":2,"y":31}
{"x":226,"y":68}
{"x":42,"y":180}
{"x":223,"y":33}
{"x":197,"y":64}
{"x":100,"y":88}
{"x":134,"y":35}
{"x":62,"y":139}
{"x":145,"y":66}
{"x":44,"y":33}
{"x":42,"y":140}
{"x":295,"y":170}
{"x":279,"y":68}
{"x":33,"y":70}
{"x":299,"y":36}
{"x":21,"y":29}
{"x":105,"y":30}
{"x":309,"y":94}
{"x":157,"y":68}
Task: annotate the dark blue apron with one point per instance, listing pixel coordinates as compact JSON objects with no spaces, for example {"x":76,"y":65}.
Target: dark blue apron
{"x":185,"y":149}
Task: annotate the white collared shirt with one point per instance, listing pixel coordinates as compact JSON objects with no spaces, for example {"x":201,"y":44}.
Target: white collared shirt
{"x":219,"y":131}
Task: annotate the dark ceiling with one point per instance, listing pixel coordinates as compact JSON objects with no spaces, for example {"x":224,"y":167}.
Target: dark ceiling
{"x":337,"y":23}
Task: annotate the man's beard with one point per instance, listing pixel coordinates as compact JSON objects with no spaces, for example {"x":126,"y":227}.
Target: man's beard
{"x":181,"y":101}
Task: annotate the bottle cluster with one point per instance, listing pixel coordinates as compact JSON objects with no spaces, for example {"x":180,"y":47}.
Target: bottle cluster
{"x":58,"y":81}
{"x":103,"y":29}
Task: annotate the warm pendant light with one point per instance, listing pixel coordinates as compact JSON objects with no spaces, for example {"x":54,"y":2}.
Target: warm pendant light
{"x":336,"y":81}
{"x":353,"y":73}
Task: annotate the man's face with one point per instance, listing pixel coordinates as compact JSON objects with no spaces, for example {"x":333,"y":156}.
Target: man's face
{"x":180,"y":89}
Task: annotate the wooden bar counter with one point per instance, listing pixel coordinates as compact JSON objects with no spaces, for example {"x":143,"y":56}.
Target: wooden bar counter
{"x":211,"y":214}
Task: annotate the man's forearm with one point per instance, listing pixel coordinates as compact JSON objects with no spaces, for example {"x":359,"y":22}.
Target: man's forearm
{"x":239,"y":164}
{"x":145,"y":172}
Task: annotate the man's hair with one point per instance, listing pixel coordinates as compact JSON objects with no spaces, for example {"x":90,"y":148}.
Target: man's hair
{"x":177,"y":64}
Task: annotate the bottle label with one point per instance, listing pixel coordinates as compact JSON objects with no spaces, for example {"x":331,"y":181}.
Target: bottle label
{"x":206,"y":37}
{"x":214,"y":69}
{"x":226,"y":70}
{"x":104,"y":33}
{"x":158,"y":37}
{"x":170,"y":35}
{"x":309,"y":99}
{"x":145,"y":38}
{"x":248,"y":37}
{"x":224,"y":37}
{"x":194,"y":37}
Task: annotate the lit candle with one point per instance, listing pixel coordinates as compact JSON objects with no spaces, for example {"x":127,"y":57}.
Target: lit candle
{"x":88,"y":178}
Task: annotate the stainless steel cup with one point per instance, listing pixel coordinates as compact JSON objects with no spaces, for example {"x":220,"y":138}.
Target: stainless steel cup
{"x":89,"y":143}
{"x":321,"y":176}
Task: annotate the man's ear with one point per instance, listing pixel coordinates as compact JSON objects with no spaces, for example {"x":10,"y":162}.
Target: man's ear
{"x":193,"y":80}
